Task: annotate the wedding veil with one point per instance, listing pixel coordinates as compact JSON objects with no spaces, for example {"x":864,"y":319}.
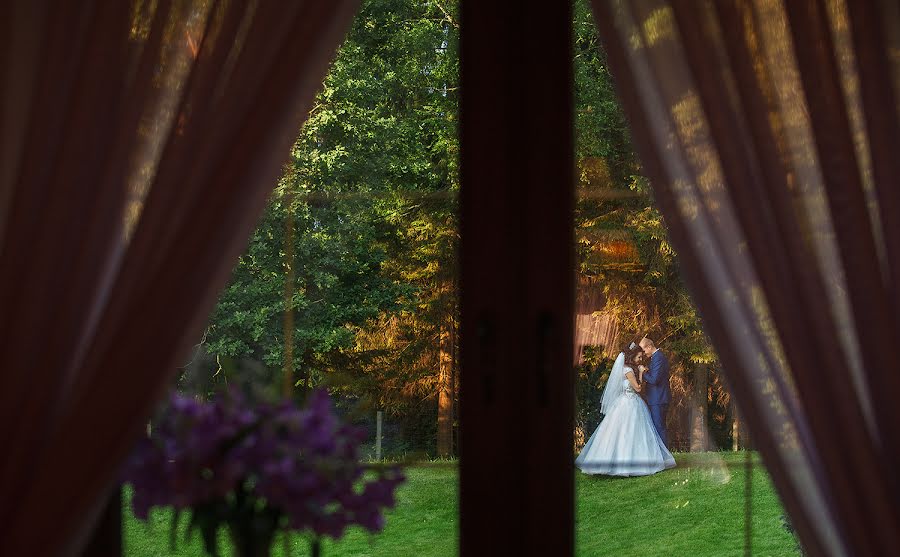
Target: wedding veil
{"x":615,"y":385}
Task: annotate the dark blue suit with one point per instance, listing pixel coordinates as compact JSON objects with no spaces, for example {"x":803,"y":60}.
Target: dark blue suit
{"x":658,"y":393}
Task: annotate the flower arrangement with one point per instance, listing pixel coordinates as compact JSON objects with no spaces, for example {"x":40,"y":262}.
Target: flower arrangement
{"x":258,"y":470}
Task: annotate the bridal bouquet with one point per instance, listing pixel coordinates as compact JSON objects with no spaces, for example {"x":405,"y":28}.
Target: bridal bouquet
{"x":257,"y":470}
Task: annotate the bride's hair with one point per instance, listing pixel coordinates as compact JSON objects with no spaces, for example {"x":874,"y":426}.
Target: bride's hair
{"x":632,"y":353}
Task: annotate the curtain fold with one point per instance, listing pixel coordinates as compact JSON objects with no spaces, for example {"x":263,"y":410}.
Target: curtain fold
{"x":768,"y":130}
{"x":139,"y":141}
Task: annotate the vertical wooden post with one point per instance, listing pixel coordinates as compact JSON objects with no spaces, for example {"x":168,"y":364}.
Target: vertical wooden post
{"x":378,"y":436}
{"x":445,"y":393}
{"x":735,"y":428}
{"x":699,"y":432}
{"x":517,"y":287}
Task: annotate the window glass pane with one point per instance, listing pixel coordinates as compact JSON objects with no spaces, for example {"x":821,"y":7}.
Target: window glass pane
{"x":631,"y":500}
{"x":349,"y":283}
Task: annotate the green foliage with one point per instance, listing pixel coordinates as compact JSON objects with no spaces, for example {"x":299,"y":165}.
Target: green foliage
{"x":371,"y":187}
{"x":650,"y":298}
{"x":338,"y":287}
{"x":591,"y":377}
{"x":600,"y":125}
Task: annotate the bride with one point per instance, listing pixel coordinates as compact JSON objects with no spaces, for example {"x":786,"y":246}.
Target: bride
{"x":626,"y":442}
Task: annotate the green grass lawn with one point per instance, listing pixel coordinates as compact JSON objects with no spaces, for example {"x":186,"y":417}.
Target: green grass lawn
{"x":696,"y":509}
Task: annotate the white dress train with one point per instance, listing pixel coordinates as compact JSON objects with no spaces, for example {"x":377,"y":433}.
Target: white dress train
{"x":626,"y":442}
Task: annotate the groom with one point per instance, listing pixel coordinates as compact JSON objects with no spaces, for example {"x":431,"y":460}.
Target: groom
{"x":657,"y":386}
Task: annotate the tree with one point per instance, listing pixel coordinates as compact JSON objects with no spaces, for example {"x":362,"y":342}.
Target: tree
{"x":369,"y":198}
{"x":338,"y":287}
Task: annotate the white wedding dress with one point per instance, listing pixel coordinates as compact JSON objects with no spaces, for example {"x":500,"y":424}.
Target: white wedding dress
{"x":626,"y":442}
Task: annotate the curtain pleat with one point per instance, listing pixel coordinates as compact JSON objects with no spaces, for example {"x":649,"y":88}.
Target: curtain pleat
{"x":768,"y":130}
{"x":139,"y":143}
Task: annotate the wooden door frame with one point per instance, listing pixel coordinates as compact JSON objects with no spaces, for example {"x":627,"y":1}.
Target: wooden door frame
{"x":517,"y":279}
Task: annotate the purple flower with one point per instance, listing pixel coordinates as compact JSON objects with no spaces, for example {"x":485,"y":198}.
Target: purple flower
{"x":252,"y":463}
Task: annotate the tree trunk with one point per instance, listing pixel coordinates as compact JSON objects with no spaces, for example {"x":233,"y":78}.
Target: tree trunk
{"x":445,"y":393}
{"x":287,"y":384}
{"x":454,"y":383}
{"x":699,"y":430}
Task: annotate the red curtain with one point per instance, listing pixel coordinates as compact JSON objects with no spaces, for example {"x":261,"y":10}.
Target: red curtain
{"x":769,"y":130}
{"x":139,"y":141}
